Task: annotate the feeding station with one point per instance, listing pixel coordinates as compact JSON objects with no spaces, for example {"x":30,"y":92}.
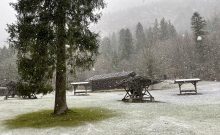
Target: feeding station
{"x":136,"y":88}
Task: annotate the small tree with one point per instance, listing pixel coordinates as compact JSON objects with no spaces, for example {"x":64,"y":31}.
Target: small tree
{"x":41,"y":33}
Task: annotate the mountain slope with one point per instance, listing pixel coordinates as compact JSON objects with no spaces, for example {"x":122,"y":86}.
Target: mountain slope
{"x":178,"y":11}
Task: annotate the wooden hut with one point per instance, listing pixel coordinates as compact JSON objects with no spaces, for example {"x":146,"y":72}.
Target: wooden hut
{"x":108,"y":81}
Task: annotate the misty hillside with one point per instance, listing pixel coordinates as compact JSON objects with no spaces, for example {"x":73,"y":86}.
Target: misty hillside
{"x":178,"y":11}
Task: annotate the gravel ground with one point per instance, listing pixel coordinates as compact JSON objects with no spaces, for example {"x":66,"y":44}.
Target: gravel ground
{"x":171,"y":115}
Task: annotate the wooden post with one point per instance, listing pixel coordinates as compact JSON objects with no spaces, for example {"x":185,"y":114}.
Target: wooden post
{"x":75,"y":86}
{"x":86,"y":89}
{"x":180,"y":88}
{"x":195,"y":86}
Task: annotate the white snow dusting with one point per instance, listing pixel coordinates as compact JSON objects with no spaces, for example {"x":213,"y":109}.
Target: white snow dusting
{"x":162,"y":117}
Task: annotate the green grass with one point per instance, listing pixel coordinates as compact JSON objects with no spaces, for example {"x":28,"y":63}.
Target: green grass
{"x":45,"y":118}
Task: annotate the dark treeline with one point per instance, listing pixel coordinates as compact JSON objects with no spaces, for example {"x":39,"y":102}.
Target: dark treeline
{"x":161,"y":52}
{"x":157,"y":52}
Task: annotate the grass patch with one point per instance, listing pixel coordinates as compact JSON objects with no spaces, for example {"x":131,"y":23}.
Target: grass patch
{"x":45,"y":118}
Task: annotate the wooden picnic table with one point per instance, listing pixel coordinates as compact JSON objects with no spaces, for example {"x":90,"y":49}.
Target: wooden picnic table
{"x":180,"y":82}
{"x":76,"y":84}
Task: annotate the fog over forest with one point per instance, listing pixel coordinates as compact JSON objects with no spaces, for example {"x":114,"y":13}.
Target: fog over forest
{"x":126,"y":13}
{"x":151,"y":37}
{"x":157,"y":38}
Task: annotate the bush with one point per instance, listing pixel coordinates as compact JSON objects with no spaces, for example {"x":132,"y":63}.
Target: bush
{"x":29,"y":90}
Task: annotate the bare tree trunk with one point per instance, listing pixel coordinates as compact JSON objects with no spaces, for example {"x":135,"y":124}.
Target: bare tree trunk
{"x":60,"y":97}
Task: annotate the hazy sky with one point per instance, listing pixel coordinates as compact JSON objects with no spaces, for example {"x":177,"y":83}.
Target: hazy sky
{"x":6,"y":16}
{"x":7,"y":13}
{"x":116,"y":5}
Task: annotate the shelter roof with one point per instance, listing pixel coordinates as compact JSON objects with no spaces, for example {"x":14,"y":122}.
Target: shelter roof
{"x":111,"y":76}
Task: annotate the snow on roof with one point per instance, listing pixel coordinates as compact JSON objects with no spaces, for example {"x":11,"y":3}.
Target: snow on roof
{"x":111,"y":75}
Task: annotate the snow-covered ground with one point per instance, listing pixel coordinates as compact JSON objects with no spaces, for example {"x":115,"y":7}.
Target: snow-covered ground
{"x":171,"y":115}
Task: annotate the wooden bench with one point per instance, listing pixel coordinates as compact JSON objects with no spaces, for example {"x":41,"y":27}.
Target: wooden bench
{"x":76,"y":84}
{"x":180,"y":82}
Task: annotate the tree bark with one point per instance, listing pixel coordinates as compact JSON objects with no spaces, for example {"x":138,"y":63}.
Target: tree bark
{"x":60,"y":97}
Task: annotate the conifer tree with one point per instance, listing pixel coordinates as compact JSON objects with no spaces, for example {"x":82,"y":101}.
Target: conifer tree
{"x":140,"y":37}
{"x":114,"y":42}
{"x":41,"y":33}
{"x":126,"y":44}
{"x":172,"y":33}
{"x":198,"y":25}
{"x":151,"y":35}
{"x":156,"y":30}
{"x":163,"y":29}
{"x":148,"y":55}
{"x":106,"y":48}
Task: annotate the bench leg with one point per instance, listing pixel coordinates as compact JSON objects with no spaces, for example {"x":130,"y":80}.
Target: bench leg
{"x":86,"y":89}
{"x":180,"y":89}
{"x":195,"y":87}
{"x":74,"y":89}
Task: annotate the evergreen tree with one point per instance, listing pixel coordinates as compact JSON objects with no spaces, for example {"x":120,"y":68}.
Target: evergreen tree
{"x":214,"y":43}
{"x":151,"y":37}
{"x":115,"y":61}
{"x":43,"y":30}
{"x":163,"y":30}
{"x":198,"y":25}
{"x":156,"y":30}
{"x":106,"y":48}
{"x":126,"y":44}
{"x":140,"y":37}
{"x":148,"y":55}
{"x":114,"y":42}
{"x":171,"y":30}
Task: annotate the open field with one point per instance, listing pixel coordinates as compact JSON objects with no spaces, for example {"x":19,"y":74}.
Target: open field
{"x":171,"y":115}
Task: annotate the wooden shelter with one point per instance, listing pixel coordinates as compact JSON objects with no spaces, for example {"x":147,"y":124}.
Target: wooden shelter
{"x":108,"y":81}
